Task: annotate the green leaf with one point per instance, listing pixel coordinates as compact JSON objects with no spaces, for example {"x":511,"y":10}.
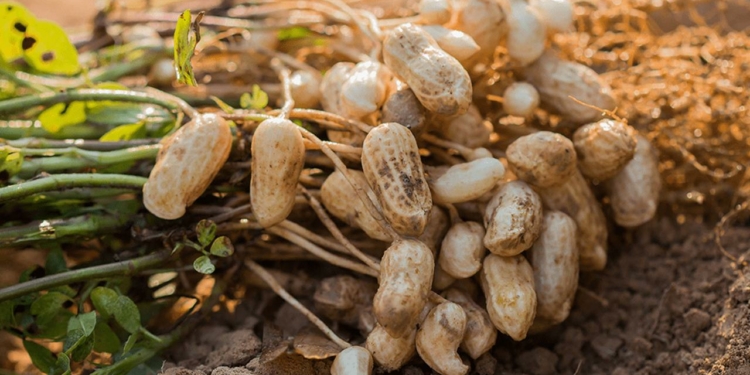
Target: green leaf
{"x":105,"y":301}
{"x":41,"y":357}
{"x":62,"y":365}
{"x":7,"y":314}
{"x":78,"y":345}
{"x":46,"y":307}
{"x":84,"y":322}
{"x":222,"y":247}
{"x":127,"y":314}
{"x":14,"y":20}
{"x":206,"y":230}
{"x":48,"y":49}
{"x":203,"y":265}
{"x":257,"y":100}
{"x":184,"y":46}
{"x":105,"y":339}
{"x":130,"y":342}
{"x":296,"y":32}
{"x":55,"y":262}
{"x":12,"y":160}
{"x":125,"y":133}
{"x":61,"y":115}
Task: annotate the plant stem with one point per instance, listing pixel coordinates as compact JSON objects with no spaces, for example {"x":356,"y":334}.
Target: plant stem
{"x":124,"y":268}
{"x":66,"y":181}
{"x":80,"y":143}
{"x":51,"y":98}
{"x":79,"y":159}
{"x":55,"y":229}
{"x":17,"y":129}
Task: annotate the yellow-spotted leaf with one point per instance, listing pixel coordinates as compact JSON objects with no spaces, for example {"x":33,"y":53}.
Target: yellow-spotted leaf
{"x":184,"y":46}
{"x":125,"y":133}
{"x":14,"y":20}
{"x":48,"y":50}
{"x":60,"y":115}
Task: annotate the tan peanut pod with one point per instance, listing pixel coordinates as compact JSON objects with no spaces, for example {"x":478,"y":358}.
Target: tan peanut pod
{"x":634,"y":192}
{"x":278,"y":155}
{"x":393,"y":168}
{"x":554,"y":258}
{"x":558,"y":15}
{"x":343,"y":298}
{"x":557,"y":80}
{"x":354,"y":360}
{"x":305,"y":86}
{"x":406,"y":272}
{"x":480,"y":335}
{"x":435,"y":12}
{"x":527,"y":32}
{"x":340,"y":199}
{"x":520,"y":99}
{"x":508,"y":284}
{"x":437,"y":225}
{"x":403,"y":107}
{"x":439,"y":337}
{"x":467,"y":181}
{"x":481,"y":153}
{"x":455,"y":43}
{"x":603,"y":148}
{"x":188,"y":161}
{"x":442,"y":280}
{"x":575,"y":199}
{"x":438,"y":80}
{"x":462,"y":251}
{"x":484,"y":21}
{"x":513,"y":219}
{"x":468,"y":129}
{"x":389,"y":352}
{"x":330,"y":99}
{"x":543,"y":159}
{"x":365,"y":89}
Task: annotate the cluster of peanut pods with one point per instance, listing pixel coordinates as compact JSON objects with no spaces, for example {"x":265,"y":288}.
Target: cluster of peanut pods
{"x":493,"y":243}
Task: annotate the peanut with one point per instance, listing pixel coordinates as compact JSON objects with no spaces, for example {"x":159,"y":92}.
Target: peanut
{"x":340,"y":199}
{"x":278,"y":155}
{"x":188,"y":161}
{"x":455,"y":43}
{"x":391,"y":352}
{"x":513,"y":219}
{"x":467,"y":181}
{"x":403,"y":107}
{"x":484,"y":21}
{"x":557,"y":15}
{"x":393,"y":168}
{"x":364,"y":90}
{"x":462,"y":251}
{"x":508,"y":284}
{"x":437,"y":225}
{"x":604,"y":148}
{"x":543,"y":159}
{"x":468,"y":129}
{"x":354,"y":360}
{"x":439,"y":337}
{"x":330,"y":99}
{"x":305,"y":87}
{"x":480,"y":334}
{"x":526,"y":32}
{"x":634,"y":191}
{"x":520,"y":99}
{"x":435,"y":12}
{"x":442,"y":280}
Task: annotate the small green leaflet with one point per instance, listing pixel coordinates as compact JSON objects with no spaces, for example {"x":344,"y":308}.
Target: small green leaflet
{"x":104,"y":300}
{"x":125,"y":132}
{"x":41,"y":357}
{"x":11,"y":161}
{"x":46,"y":307}
{"x":127,"y":314}
{"x":185,"y":46}
{"x":257,"y":100}
{"x":84,"y":322}
{"x":47,"y":48}
{"x":60,"y":115}
{"x":222,"y":247}
{"x":203,"y":265}
{"x":105,"y":340}
{"x":206,"y":230}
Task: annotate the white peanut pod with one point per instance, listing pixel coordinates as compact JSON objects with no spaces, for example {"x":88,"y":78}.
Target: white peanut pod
{"x":188,"y":161}
{"x":437,"y":225}
{"x":462,"y":251}
{"x":508,"y":284}
{"x":467,"y":181}
{"x":554,"y":258}
{"x":393,"y":168}
{"x":557,"y":15}
{"x":484,"y":21}
{"x":389,"y":352}
{"x":305,"y":86}
{"x":520,"y":99}
{"x":557,"y":80}
{"x":575,"y":199}
{"x":278,"y":156}
{"x":341,"y":200}
{"x":406,"y":272}
{"x":330,"y":100}
{"x":435,"y":12}
{"x":604,"y":148}
{"x":439,"y":337}
{"x":455,"y":43}
{"x":543,"y":159}
{"x":526,"y":32}
{"x":365,"y":89}
{"x":481,"y":334}
{"x":634,"y":192}
{"x":513,"y":219}
{"x":468,"y":129}
{"x":354,"y":360}
{"x":438,"y":80}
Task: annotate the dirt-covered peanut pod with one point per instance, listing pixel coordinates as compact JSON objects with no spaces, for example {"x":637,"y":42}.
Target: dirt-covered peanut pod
{"x":543,"y":159}
{"x":391,"y":353}
{"x":554,"y":258}
{"x":438,"y":80}
{"x":467,"y":181}
{"x":468,"y":129}
{"x":354,"y":360}
{"x":305,"y":86}
{"x":393,"y":168}
{"x":527,"y":32}
{"x":513,"y":219}
{"x":480,"y":334}
{"x":557,"y":15}
{"x":604,"y":148}
{"x":462,"y":251}
{"x":278,"y":156}
{"x":188,"y":161}
{"x":347,"y":300}
{"x":340,"y":199}
{"x":406,"y":272}
{"x":364,"y":90}
{"x":435,"y":12}
{"x":439,"y":337}
{"x":508,"y":284}
{"x":634,"y":192}
{"x":520,"y":99}
{"x":403,"y":107}
{"x":557,"y":80}
{"x":575,"y":199}
{"x":484,"y":21}
{"x":455,"y":43}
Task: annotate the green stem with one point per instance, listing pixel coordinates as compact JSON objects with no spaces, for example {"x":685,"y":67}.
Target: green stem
{"x":55,"y":229}
{"x":124,"y":268}
{"x":17,"y":129}
{"x":80,"y":143}
{"x":78,"y":159}
{"x":66,"y":181}
{"x":51,"y":98}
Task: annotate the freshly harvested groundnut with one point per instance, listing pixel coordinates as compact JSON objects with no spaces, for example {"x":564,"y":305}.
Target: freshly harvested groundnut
{"x":634,"y":192}
{"x":330,"y":99}
{"x":484,"y":21}
{"x":603,"y":148}
{"x":406,"y":272}
{"x":440,"y":335}
{"x":520,"y":99}
{"x":442,"y":280}
{"x":393,"y":168}
{"x":468,"y":129}
{"x":526,"y":32}
{"x":341,"y":200}
{"x":480,"y":153}
{"x":344,"y":299}
{"x":508,"y":284}
{"x":543,"y":159}
{"x":557,"y":80}
{"x":188,"y":161}
{"x":513,"y":219}
{"x":467,"y":181}
{"x":575,"y":199}
{"x":403,"y":107}
{"x":354,"y":360}
{"x":305,"y":87}
{"x":438,"y":80}
{"x":437,"y":225}
{"x":554,"y":258}
{"x":278,"y":155}
{"x":454,"y":42}
{"x":390,"y":352}
{"x":480,"y":335}
{"x":364,"y":90}
{"x":435,"y":12}
{"x":557,"y":14}
{"x":462,"y":251}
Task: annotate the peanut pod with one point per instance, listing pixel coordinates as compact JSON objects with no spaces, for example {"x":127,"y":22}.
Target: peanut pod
{"x":508,"y":284}
{"x":634,"y":192}
{"x":513,"y":219}
{"x":439,"y":337}
{"x":480,"y":335}
{"x":340,"y":199}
